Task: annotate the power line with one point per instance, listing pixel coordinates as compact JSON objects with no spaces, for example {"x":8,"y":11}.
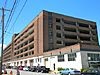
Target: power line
{"x":19,"y":14}
{"x":17,"y":3}
{"x":6,"y":32}
{"x":16,"y":17}
{"x":10,"y":16}
{"x":5,"y":3}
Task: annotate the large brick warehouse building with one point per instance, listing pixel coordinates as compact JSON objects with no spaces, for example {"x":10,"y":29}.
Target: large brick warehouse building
{"x":55,"y":40}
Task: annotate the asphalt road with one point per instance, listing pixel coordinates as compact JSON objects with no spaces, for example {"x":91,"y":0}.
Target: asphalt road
{"x":27,"y":73}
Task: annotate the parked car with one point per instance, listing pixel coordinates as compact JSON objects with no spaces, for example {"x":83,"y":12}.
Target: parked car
{"x":70,"y":71}
{"x":44,"y":69}
{"x":4,"y":71}
{"x":26,"y":68}
{"x":33,"y":69}
{"x":20,"y":67}
{"x":91,"y":72}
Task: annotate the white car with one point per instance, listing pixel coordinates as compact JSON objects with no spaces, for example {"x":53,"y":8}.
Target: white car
{"x":26,"y":68}
{"x":70,"y":71}
{"x":4,"y":71}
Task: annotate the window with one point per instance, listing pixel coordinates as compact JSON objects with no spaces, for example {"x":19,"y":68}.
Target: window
{"x":31,"y":32}
{"x":21,"y":45}
{"x":60,"y":58}
{"x":83,"y":25}
{"x":26,"y":36}
{"x":32,"y":39}
{"x":70,"y":36}
{"x":40,"y":60}
{"x":94,"y":38}
{"x":26,"y":54}
{"x":21,"y":56}
{"x":20,"y":62}
{"x":93,"y":57}
{"x":46,"y":59}
{"x":31,"y":46}
{"x":69,"y":22}
{"x":17,"y":56}
{"x":26,"y":49}
{"x":29,"y":53}
{"x":94,"y":32}
{"x":50,"y":25}
{"x":85,"y":38}
{"x":84,"y":31}
{"x":59,"y":42}
{"x":70,"y":43}
{"x":71,"y":57}
{"x":57,"y":20}
{"x":36,"y":60}
{"x":26,"y":43}
{"x":69,"y":29}
{"x":32,"y":52}
{"x":50,"y":33}
{"x":58,"y":35}
{"x":93,"y":26}
{"x":17,"y":52}
{"x":58,"y":27}
{"x":50,"y":20}
{"x":21,"y":51}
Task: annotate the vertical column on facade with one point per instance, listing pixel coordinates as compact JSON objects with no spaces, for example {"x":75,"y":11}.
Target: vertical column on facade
{"x":28,"y":62}
{"x":50,"y":31}
{"x":77,"y":30}
{"x":90,"y":33}
{"x":62,"y":29}
{"x":28,"y":43}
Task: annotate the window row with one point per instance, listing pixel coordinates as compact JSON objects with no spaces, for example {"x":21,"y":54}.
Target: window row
{"x":26,"y":54}
{"x":58,"y":27}
{"x":93,"y":57}
{"x":71,"y":57}
{"x":61,"y":58}
{"x":24,"y":37}
{"x":24,"y":50}
{"x":25,"y":32}
{"x":67,"y":36}
{"x":25,"y":43}
{"x":75,"y":23}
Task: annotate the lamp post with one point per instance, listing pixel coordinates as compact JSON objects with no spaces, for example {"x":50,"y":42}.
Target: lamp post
{"x":89,"y":58}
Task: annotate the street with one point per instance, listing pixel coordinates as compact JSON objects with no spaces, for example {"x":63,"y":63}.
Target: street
{"x":28,"y":73}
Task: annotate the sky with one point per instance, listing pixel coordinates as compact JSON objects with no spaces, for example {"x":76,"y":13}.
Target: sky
{"x":85,"y":9}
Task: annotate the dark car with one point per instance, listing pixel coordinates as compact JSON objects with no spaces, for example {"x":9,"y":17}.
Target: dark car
{"x":91,"y":72}
{"x":42,"y":69}
{"x":33,"y":69}
{"x":20,"y":67}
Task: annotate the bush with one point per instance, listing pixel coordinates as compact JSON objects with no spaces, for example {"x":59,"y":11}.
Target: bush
{"x":60,"y":68}
{"x":84,"y":69}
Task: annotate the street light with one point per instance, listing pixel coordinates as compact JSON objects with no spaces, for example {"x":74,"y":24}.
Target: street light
{"x":89,"y":58}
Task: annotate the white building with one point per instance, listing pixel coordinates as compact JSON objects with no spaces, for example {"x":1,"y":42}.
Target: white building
{"x":76,"y":56}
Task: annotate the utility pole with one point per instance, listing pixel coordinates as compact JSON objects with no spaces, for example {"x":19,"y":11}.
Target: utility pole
{"x":2,"y":40}
{"x":3,"y":10}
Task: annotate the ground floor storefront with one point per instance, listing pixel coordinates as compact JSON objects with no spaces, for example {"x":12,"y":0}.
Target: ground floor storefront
{"x":77,"y":60}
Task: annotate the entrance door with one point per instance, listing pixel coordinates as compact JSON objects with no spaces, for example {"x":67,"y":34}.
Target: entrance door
{"x":31,"y":63}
